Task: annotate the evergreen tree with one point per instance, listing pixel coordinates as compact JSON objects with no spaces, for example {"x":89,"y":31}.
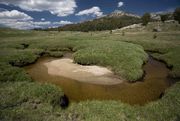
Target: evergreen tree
{"x":146,"y":19}
{"x":164,"y":17}
{"x":177,"y":14}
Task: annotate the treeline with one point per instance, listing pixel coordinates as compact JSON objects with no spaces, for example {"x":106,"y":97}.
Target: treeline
{"x":105,"y":23}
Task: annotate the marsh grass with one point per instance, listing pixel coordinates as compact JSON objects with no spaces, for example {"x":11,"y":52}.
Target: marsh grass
{"x":25,"y":100}
{"x":57,"y":54}
{"x":116,"y":55}
{"x":28,"y":100}
{"x":172,"y":58}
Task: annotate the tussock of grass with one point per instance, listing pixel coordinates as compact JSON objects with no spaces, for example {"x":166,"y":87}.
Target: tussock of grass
{"x":54,"y":53}
{"x":19,"y":57}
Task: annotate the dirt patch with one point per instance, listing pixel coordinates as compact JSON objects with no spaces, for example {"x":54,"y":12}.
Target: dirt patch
{"x":90,"y":74}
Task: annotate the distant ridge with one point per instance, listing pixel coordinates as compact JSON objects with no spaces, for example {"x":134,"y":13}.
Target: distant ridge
{"x":118,"y":13}
{"x":115,"y":20}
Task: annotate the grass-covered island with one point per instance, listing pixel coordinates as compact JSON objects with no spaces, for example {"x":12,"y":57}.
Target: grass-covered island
{"x":124,"y":52}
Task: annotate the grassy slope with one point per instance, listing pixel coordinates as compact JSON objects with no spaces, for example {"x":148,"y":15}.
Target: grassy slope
{"x":17,"y":86}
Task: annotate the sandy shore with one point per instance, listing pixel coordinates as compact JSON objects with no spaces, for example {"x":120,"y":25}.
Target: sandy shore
{"x":90,"y":74}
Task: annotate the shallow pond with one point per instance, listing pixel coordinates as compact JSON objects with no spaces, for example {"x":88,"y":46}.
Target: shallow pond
{"x":151,"y":88}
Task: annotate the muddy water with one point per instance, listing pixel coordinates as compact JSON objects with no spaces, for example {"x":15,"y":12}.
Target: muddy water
{"x":154,"y":83}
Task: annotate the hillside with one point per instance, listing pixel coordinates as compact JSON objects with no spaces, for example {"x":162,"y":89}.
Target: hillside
{"x":117,"y":19}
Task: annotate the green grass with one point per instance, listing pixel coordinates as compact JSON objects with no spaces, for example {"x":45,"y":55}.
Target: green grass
{"x":19,"y":57}
{"x":165,"y":109}
{"x":54,"y":53}
{"x":22,"y":99}
{"x":31,"y":101}
{"x":172,"y":58}
{"x":28,"y":101}
{"x":124,"y":59}
{"x":117,"y":55}
{"x":12,"y":74}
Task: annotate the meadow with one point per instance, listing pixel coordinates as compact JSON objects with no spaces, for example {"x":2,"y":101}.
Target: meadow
{"x":124,"y":52}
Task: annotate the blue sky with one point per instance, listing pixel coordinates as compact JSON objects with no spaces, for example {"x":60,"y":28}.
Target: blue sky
{"x":27,"y":14}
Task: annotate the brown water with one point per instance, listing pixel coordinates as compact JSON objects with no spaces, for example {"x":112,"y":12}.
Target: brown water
{"x":154,"y":83}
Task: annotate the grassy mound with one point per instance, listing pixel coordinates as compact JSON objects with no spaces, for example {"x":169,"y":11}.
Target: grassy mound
{"x":125,"y":59}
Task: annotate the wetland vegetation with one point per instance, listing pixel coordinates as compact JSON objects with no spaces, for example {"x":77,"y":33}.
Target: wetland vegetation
{"x":23,"y":98}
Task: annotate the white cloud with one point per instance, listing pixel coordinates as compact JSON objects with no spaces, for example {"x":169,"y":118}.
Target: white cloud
{"x":15,"y":19}
{"x":20,"y":20}
{"x":120,"y":4}
{"x":42,"y":19}
{"x":56,"y":7}
{"x":23,"y":24}
{"x":12,"y":23}
{"x":41,"y":23}
{"x":14,"y":14}
{"x":62,"y":22}
{"x":31,"y":24}
{"x":95,"y":11}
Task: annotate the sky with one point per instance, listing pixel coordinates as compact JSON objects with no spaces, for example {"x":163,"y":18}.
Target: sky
{"x":29,"y":14}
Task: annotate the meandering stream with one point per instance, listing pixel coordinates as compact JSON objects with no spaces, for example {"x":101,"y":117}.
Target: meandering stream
{"x":151,"y":88}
